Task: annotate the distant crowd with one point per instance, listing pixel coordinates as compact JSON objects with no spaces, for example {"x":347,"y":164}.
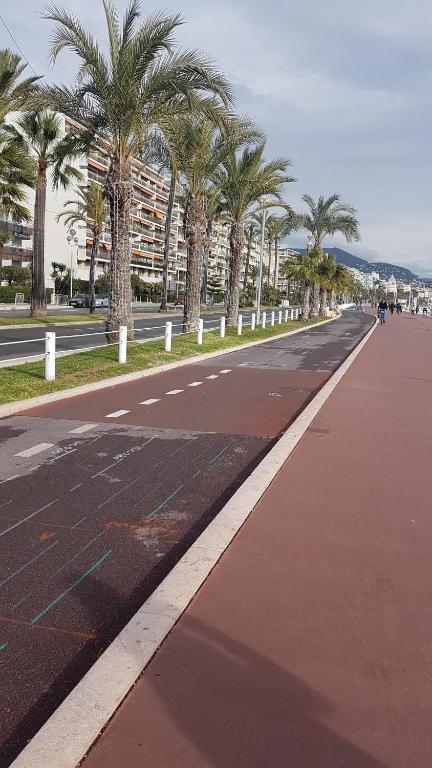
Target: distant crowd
{"x":393,"y":307}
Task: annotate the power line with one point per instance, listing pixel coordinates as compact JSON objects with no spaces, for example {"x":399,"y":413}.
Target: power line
{"x":16,"y":44}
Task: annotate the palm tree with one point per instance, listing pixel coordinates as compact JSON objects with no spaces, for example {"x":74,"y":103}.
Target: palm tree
{"x":325,"y":270}
{"x":303,"y":269}
{"x":16,"y":168}
{"x":244,"y":180}
{"x":90,"y":208}
{"x":51,"y":151}
{"x":252,"y":230}
{"x":328,"y":216}
{"x":253,"y":274}
{"x":278,"y":227}
{"x":338,"y":283}
{"x":124,"y":94}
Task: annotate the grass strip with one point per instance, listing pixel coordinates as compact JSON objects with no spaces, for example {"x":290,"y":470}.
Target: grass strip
{"x":27,"y":380}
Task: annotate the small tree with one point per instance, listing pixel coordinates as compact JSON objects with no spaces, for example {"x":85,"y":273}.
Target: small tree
{"x":16,"y":275}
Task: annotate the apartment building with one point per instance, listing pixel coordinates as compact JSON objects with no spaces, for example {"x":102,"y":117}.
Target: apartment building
{"x":147,"y":229}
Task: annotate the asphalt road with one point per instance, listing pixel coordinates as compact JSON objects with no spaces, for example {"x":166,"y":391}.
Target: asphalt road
{"x":101,"y":494}
{"x":70,"y":337}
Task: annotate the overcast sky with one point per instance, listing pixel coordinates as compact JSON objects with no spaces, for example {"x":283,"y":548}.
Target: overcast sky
{"x":343,"y":88}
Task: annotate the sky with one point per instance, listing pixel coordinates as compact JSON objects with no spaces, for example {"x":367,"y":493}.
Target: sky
{"x":342,"y":88}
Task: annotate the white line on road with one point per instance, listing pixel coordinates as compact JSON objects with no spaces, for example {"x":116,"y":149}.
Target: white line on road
{"x":115,"y":414}
{"x":151,"y":401}
{"x":20,"y":522}
{"x":36,"y":449}
{"x":12,"y":477}
{"x":213,"y":376}
{"x":82,"y":428}
{"x":195,"y":384}
{"x":226,"y":370}
{"x":174,"y":392}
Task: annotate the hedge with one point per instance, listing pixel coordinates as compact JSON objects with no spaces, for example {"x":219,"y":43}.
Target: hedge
{"x":8,"y":293}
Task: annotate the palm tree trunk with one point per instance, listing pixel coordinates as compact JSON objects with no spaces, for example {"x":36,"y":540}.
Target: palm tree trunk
{"x":93,"y":255}
{"x":248,"y":255}
{"x":323,"y":301}
{"x":204,"y":281}
{"x":164,"y":302}
{"x":333,"y":299}
{"x":38,"y":294}
{"x":306,"y":301}
{"x":269,"y":265}
{"x":276,"y":268}
{"x":315,"y":300}
{"x":118,"y":190}
{"x":233,"y":291}
{"x":194,"y":235}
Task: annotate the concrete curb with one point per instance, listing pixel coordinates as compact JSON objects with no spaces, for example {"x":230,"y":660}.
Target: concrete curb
{"x":8,"y":409}
{"x":70,"y":732}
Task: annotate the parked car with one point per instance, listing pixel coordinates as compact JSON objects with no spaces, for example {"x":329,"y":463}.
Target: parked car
{"x":80,"y":300}
{"x":102,"y":301}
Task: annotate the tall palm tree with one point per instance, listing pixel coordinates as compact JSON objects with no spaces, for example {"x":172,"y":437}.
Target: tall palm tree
{"x":252,"y":230}
{"x":328,"y":216}
{"x":253,"y":274}
{"x":244,"y":180}
{"x":89,"y":207}
{"x":124,"y":94}
{"x":52,"y":151}
{"x":303,"y":269}
{"x":338,"y":283}
{"x":326,"y":269}
{"x":278,"y":227}
{"x":16,"y":168}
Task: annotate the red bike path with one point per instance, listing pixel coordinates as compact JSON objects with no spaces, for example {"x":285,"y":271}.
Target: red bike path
{"x":309,"y":645}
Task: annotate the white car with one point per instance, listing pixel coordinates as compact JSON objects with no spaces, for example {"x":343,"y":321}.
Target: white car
{"x":102,"y":301}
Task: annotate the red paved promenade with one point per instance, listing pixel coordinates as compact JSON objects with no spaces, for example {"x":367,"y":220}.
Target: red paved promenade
{"x":309,"y":645}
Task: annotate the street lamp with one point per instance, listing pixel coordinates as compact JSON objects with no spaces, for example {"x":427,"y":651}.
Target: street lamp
{"x":71,"y":238}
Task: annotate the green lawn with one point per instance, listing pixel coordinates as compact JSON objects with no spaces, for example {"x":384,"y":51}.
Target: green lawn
{"x":22,"y":381}
{"x":49,"y":319}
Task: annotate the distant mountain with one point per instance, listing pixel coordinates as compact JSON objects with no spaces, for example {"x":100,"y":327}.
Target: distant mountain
{"x":385,"y":270}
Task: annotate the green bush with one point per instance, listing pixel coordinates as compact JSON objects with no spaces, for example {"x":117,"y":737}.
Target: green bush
{"x":8,"y":293}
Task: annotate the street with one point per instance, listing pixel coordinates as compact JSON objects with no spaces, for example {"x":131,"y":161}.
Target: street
{"x":101,"y":494}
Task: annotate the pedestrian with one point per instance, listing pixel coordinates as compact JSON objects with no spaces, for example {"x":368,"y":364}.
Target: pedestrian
{"x":399,"y":308}
{"x":412,"y":310}
{"x":382,"y":309}
{"x":424,"y":311}
{"x":417,"y":309}
{"x":392,"y":307}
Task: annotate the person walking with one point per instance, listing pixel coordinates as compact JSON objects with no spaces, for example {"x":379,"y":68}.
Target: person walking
{"x":382,"y":309}
{"x":399,"y":308}
{"x":424,"y":311}
{"x":392,"y":307}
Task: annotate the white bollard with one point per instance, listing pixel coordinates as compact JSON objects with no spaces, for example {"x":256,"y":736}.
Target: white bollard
{"x":239,"y":324}
{"x":296,"y":313}
{"x":280,"y":317}
{"x":50,"y":351}
{"x":253,"y":321}
{"x":200,"y":331}
{"x":168,"y":336}
{"x":222,"y":327}
{"x":272,"y":316}
{"x":264,"y":318}
{"x":291,"y":314}
{"x":122,"y":350}
{"x":286,"y":315}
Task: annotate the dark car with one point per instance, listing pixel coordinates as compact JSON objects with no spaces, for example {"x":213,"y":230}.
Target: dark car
{"x":80,"y":300}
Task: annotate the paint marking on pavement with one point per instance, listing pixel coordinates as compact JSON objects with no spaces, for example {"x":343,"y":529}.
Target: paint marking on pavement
{"x":26,"y":565}
{"x":220,"y":453}
{"x":12,"y":477}
{"x":83,"y":549}
{"x":213,"y":376}
{"x":102,"y":471}
{"x":195,"y":384}
{"x":20,"y":522}
{"x":226,"y":370}
{"x":171,"y":496}
{"x":82,"y":428}
{"x":115,"y":414}
{"x":174,"y":392}
{"x":56,"y":630}
{"x":78,"y":581}
{"x":75,"y":487}
{"x":151,"y":401}
{"x":3,"y":646}
{"x":197,"y":473}
{"x":36,"y":449}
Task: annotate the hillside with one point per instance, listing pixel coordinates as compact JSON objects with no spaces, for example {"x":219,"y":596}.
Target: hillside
{"x":385,"y":269}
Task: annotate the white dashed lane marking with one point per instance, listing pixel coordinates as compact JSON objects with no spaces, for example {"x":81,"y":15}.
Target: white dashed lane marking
{"x":82,"y":428}
{"x":115,"y":414}
{"x":195,"y":384}
{"x":36,"y":449}
{"x":213,"y":376}
{"x":226,"y":370}
{"x":151,"y":401}
{"x":174,"y":392}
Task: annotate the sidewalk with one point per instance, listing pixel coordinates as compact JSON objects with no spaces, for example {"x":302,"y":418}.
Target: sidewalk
{"x":309,"y":645}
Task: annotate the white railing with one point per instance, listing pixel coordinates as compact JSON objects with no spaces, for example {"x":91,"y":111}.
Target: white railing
{"x":51,"y":338}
